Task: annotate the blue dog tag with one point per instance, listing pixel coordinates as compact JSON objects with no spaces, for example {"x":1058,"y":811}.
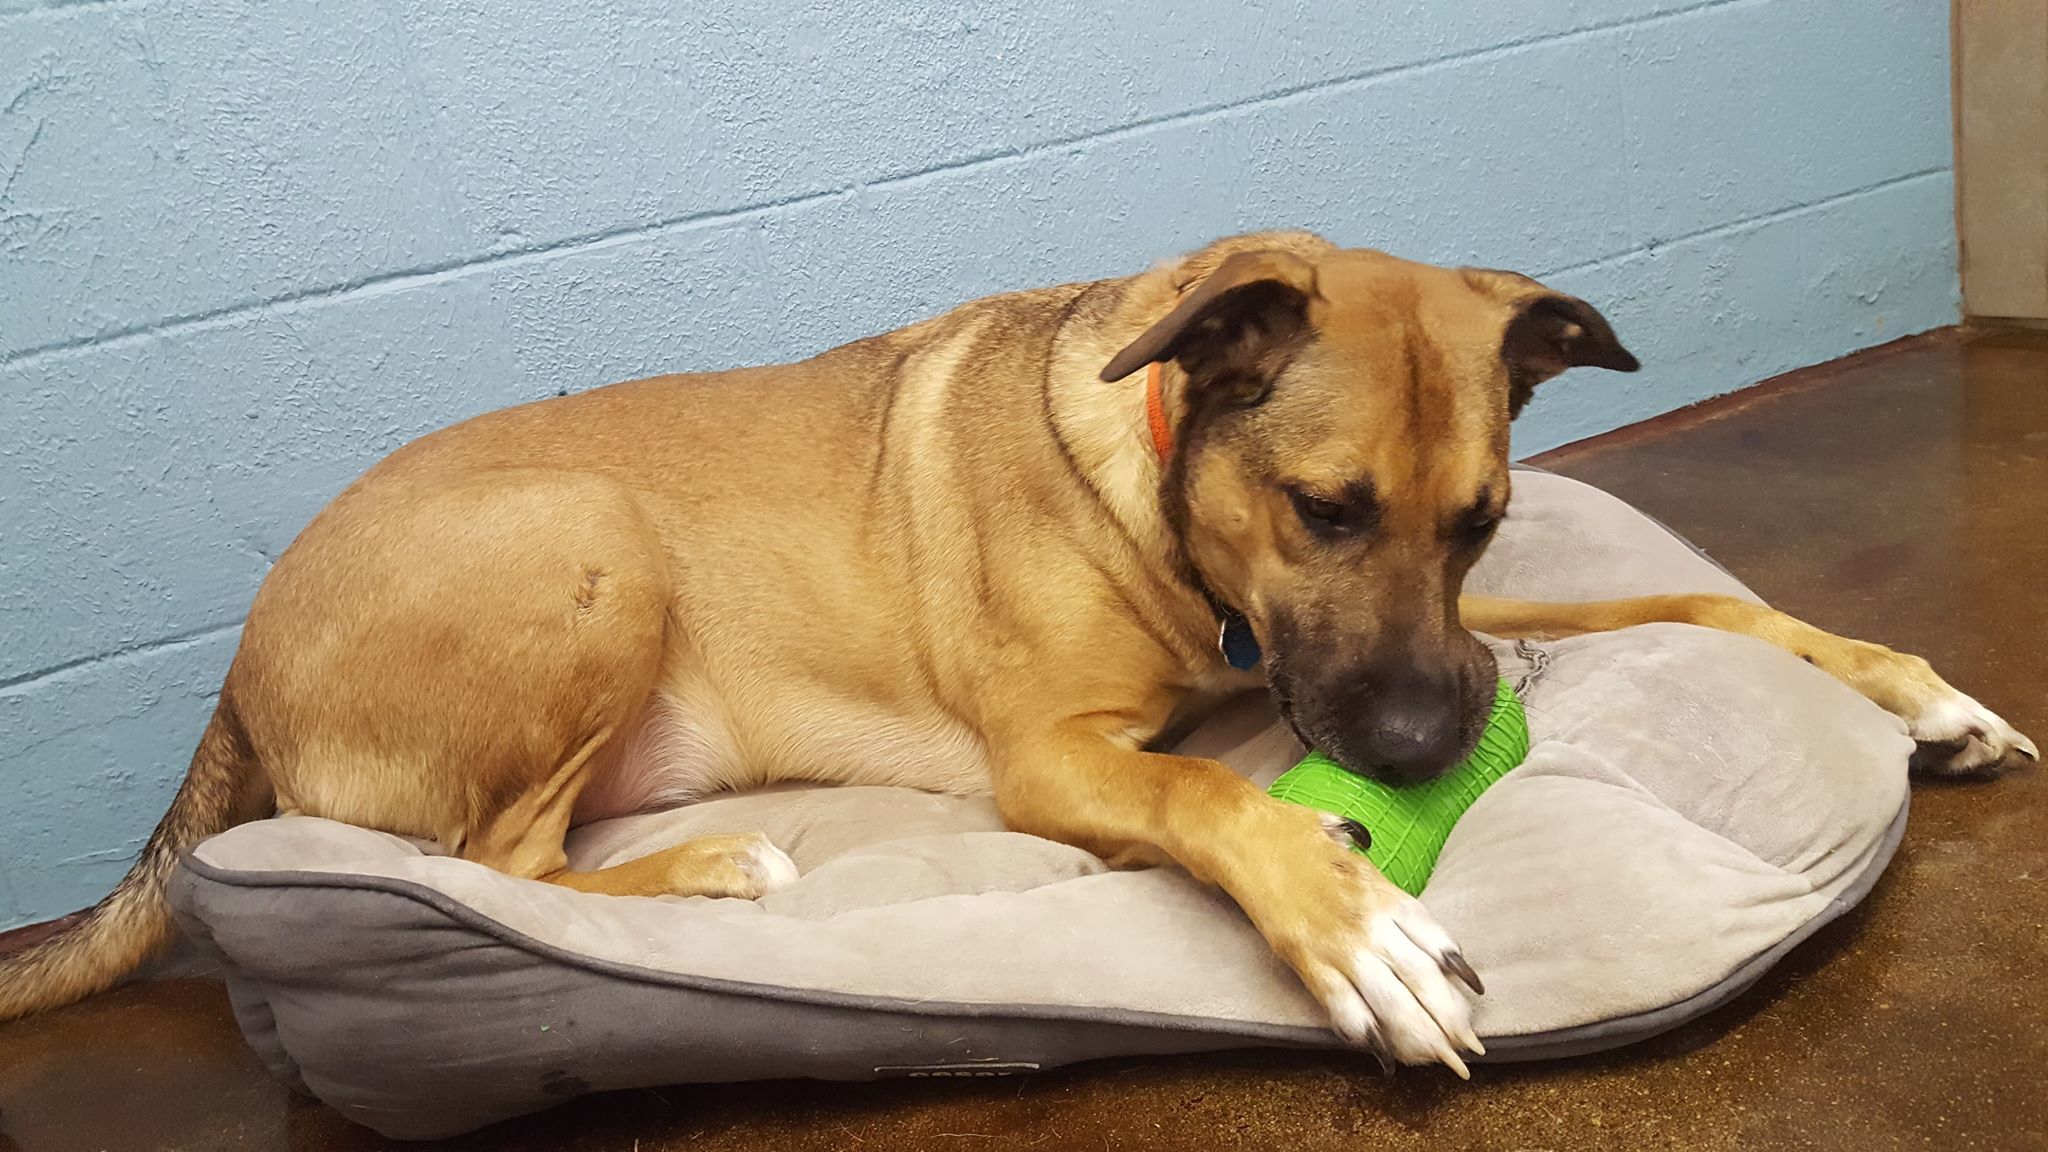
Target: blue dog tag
{"x":1235,"y":640}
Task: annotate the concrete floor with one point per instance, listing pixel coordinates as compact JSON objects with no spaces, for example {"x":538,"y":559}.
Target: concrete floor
{"x":1899,"y":496}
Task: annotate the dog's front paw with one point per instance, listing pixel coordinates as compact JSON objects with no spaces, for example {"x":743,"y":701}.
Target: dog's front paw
{"x":1388,"y":975}
{"x":1956,"y":735}
{"x":1959,"y":736}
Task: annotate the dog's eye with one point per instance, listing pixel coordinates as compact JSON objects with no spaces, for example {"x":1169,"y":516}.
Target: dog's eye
{"x":1479,"y":529}
{"x":1325,"y":518}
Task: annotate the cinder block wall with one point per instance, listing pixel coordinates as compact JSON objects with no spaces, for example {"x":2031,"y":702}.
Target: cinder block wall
{"x":247,"y":248}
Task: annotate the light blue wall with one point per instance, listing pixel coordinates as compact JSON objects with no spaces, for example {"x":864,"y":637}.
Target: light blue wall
{"x":246,"y":248}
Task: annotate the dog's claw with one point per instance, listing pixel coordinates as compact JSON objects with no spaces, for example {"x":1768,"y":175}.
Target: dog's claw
{"x":1381,"y":1051}
{"x":2026,"y":747}
{"x":1454,"y":962}
{"x":1361,"y":836}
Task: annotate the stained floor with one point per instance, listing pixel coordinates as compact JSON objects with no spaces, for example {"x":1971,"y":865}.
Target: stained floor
{"x":1899,"y":496}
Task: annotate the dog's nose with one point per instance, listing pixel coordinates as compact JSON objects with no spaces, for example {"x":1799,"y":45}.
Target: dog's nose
{"x":1413,"y":729}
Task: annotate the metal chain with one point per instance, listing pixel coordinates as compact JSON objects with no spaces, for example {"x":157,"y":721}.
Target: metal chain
{"x":1539,"y":662}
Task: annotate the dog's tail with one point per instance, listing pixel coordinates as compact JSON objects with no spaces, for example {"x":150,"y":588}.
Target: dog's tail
{"x":222,"y":788}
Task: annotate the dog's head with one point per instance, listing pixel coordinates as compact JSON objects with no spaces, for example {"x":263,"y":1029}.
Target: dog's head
{"x":1341,"y":460}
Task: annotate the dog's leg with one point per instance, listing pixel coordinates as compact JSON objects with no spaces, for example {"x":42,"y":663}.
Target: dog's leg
{"x":745,"y":865}
{"x":1372,"y":954}
{"x":525,"y":838}
{"x":1956,"y":734}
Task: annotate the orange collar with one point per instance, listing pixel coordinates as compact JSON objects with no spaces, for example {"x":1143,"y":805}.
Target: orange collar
{"x":1155,"y":410}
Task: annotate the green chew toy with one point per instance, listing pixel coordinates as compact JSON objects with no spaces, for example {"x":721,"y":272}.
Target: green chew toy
{"x":1408,"y":826}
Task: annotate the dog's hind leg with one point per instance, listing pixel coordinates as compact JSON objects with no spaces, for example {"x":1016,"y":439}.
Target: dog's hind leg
{"x":525,"y":838}
{"x":461,"y":663}
{"x":745,"y":865}
{"x":1956,"y":734}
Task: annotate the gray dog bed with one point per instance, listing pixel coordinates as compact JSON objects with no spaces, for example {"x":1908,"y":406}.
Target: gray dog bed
{"x":1694,"y":805}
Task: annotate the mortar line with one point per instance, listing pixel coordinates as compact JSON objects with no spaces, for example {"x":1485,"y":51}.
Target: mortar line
{"x":58,"y":11}
{"x":1747,"y":223}
{"x":25,"y":682}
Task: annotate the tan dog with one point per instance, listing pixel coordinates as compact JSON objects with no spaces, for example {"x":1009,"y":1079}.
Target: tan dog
{"x":955,"y":557}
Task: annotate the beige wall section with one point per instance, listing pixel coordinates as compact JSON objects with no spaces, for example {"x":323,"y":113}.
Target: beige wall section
{"x":2001,"y":101}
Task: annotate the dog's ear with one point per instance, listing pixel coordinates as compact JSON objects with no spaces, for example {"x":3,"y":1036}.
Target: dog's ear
{"x":1236,"y":321}
{"x":1547,"y":332}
